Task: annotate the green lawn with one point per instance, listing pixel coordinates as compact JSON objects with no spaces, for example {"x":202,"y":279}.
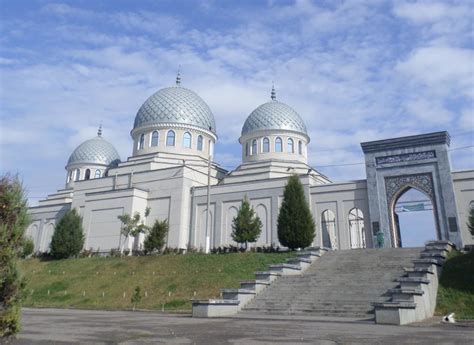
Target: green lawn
{"x":456,"y":287}
{"x":169,"y":280}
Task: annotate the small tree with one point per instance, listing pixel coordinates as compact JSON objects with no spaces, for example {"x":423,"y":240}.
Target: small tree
{"x":133,"y":226}
{"x":136,"y":297}
{"x":157,"y":236}
{"x":470,"y":221}
{"x":295,"y":222}
{"x":68,"y":237}
{"x":246,"y":226}
{"x":13,"y":222}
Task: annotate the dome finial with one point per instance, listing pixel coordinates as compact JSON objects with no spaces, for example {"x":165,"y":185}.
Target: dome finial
{"x":273,"y":94}
{"x":178,"y":77}
{"x":99,"y":131}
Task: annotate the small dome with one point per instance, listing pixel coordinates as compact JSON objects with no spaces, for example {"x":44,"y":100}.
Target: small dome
{"x":175,"y":105}
{"x":274,"y":115}
{"x":95,"y":151}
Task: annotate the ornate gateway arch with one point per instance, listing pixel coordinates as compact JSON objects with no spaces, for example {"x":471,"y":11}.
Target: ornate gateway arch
{"x":421,"y":162}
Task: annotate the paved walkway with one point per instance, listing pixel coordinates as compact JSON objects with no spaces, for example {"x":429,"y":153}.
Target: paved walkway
{"x":57,"y":326}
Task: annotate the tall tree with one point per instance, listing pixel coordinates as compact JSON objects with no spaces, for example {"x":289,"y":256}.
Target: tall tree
{"x":13,"y":222}
{"x":246,"y":226}
{"x":68,"y":237}
{"x":133,"y":226}
{"x":470,"y":221}
{"x":295,"y":222}
{"x":157,"y":236}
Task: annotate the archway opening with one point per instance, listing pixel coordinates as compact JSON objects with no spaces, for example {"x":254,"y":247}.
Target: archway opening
{"x":414,"y":219}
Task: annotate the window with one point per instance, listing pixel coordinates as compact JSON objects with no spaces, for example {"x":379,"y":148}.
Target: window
{"x":88,"y":174}
{"x":170,"y":138}
{"x":187,"y":140}
{"x":278,"y":145}
{"x":78,"y":175}
{"x":199,"y":145}
{"x":142,"y":142}
{"x":254,"y":147}
{"x":97,"y":174}
{"x":154,"y":139}
{"x":290,"y":147}
{"x":356,"y":228}
{"x":247,"y":152}
{"x":328,"y":226}
{"x":266,"y":145}
{"x":69,"y":176}
{"x":300,"y":147}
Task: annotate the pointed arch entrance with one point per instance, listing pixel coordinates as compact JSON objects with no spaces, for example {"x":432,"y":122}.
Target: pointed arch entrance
{"x":396,"y":188}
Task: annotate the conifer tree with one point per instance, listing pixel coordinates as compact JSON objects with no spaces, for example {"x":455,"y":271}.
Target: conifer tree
{"x":295,"y":222}
{"x":13,"y":222}
{"x":246,"y":226}
{"x":470,"y":221}
{"x":157,"y":236}
{"x":68,"y":237}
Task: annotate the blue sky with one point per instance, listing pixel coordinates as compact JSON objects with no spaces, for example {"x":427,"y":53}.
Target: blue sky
{"x":354,"y":70}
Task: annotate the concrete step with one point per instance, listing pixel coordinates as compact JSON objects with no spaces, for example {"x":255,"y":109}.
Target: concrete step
{"x":339,"y":283}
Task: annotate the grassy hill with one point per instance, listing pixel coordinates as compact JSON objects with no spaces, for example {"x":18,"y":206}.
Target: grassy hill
{"x":456,"y":286}
{"x":168,"y":281}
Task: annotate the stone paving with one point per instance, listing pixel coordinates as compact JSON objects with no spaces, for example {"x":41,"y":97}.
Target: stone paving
{"x":67,"y":326}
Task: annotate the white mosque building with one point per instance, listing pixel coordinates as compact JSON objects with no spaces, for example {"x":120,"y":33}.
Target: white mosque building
{"x":172,"y":172}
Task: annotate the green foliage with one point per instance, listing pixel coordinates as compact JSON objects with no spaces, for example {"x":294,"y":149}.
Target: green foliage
{"x":133,"y":226}
{"x":136,"y":297}
{"x":13,"y":222}
{"x":68,"y":237}
{"x":295,"y":222}
{"x":456,"y":286}
{"x":470,"y":221}
{"x":157,"y":236}
{"x":246,"y":226}
{"x":28,"y":247}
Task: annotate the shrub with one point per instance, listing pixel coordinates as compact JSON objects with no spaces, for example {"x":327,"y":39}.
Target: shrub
{"x":295,"y":222}
{"x":28,"y":247}
{"x":13,"y":222}
{"x":157,"y":236}
{"x":68,"y":237}
{"x":136,"y":297}
{"x":246,"y":226}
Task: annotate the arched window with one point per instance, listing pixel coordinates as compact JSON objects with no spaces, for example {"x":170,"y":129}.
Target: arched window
{"x":142,"y":142}
{"x":200,"y":141}
{"x":300,"y":147}
{"x":328,"y":226}
{"x":356,"y":228}
{"x":266,"y":145}
{"x":254,"y":147}
{"x":154,"y":139}
{"x":290,"y":146}
{"x":88,"y":174}
{"x":97,"y":174}
{"x":69,"y":176}
{"x":78,"y":175}
{"x":247,"y":149}
{"x":278,"y":145}
{"x":170,"y":138}
{"x":187,"y":140}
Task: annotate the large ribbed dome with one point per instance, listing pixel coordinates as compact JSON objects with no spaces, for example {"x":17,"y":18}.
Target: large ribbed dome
{"x":175,"y":105}
{"x":95,"y":151}
{"x":273,"y":115}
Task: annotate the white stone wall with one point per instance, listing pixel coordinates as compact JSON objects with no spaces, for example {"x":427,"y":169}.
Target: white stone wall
{"x":463,"y":182}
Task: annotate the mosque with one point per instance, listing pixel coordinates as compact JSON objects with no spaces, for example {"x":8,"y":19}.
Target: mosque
{"x":172,"y":172}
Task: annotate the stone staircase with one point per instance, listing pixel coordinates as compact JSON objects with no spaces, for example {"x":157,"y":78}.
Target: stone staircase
{"x":339,"y":284}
